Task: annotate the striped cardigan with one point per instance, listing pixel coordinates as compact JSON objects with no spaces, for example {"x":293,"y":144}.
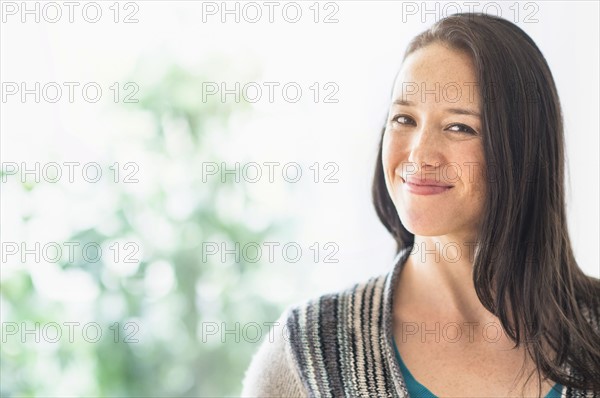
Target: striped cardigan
{"x":340,"y":345}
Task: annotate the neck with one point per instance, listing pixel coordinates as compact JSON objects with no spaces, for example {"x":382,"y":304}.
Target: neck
{"x":438,"y":275}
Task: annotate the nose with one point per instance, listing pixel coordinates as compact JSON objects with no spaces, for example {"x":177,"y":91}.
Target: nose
{"x":425,"y":148}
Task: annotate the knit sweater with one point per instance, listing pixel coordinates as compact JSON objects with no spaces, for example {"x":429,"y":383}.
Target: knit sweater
{"x":341,"y":345}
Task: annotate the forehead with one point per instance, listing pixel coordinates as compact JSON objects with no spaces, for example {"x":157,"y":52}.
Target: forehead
{"x":437,"y":73}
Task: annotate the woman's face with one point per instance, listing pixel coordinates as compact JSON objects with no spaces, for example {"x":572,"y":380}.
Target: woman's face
{"x":432,"y":146}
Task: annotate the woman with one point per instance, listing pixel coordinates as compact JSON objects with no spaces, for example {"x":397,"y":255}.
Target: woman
{"x":485,"y":298}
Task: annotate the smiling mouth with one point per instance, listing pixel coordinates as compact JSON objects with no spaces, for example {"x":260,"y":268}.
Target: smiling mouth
{"x":424,"y":189}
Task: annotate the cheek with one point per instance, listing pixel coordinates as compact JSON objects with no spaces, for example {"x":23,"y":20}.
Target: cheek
{"x":391,"y":153}
{"x":480,"y":173}
{"x":473,"y":171}
{"x":386,"y":154}
{"x":385,"y":147}
{"x":390,"y":159}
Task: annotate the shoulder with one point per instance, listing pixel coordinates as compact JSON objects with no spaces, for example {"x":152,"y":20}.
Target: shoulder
{"x":590,"y":309}
{"x":337,"y":340}
{"x":585,"y":348}
{"x":589,"y":303}
{"x":331,"y":309}
{"x":272,"y":372}
{"x":302,"y":353}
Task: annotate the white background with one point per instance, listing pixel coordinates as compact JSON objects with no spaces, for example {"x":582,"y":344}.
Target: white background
{"x":360,"y":53}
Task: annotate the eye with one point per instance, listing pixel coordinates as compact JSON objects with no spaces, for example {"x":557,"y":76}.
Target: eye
{"x":403,"y":119}
{"x":461,"y":128}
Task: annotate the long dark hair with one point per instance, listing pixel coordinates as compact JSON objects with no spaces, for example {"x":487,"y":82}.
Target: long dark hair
{"x":525,"y":272}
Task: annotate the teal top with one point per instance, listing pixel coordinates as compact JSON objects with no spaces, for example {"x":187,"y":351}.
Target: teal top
{"x":418,"y":390}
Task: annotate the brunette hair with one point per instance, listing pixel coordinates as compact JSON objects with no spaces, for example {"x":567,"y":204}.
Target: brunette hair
{"x":524,"y":272}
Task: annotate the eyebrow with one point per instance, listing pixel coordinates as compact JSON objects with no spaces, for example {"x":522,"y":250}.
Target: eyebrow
{"x":457,"y":111}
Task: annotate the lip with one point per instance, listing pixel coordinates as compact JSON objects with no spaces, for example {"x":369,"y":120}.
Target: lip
{"x":426,"y":187}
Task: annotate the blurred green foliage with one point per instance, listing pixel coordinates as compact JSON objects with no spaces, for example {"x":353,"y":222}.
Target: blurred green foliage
{"x":169,"y":214}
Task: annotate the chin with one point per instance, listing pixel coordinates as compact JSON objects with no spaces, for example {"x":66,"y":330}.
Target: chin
{"x":424,"y":226}
{"x":425,"y":230}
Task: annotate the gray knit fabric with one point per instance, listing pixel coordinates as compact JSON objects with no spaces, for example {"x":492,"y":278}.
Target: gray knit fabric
{"x":341,"y":345}
{"x":273,"y":372}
